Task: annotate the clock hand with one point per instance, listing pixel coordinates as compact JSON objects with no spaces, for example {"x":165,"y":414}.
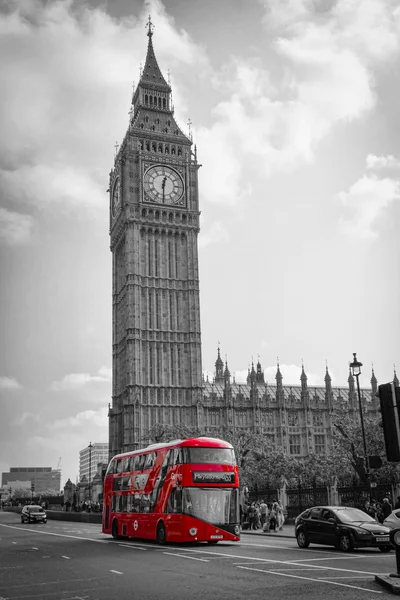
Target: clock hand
{"x":164,"y":181}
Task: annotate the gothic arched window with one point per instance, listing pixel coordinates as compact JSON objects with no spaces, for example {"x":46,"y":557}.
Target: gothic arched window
{"x":166,"y":149}
{"x":173,"y":151}
{"x":179,"y":151}
{"x":164,"y":103}
{"x":160,"y":148}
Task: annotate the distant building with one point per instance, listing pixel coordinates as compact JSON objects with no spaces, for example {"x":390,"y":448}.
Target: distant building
{"x":44,"y":478}
{"x":296,"y":418}
{"x":98,"y":453}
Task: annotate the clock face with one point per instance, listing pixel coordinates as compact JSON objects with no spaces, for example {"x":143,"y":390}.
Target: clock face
{"x":163,"y":185}
{"x":115,"y":201}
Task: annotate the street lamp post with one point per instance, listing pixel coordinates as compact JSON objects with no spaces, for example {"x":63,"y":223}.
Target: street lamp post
{"x":90,"y":467}
{"x":356,"y":372}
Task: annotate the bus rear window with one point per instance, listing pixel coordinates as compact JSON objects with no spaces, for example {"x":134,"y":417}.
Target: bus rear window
{"x":215,"y":456}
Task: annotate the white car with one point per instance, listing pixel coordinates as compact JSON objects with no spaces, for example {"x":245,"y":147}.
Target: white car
{"x":33,"y":514}
{"x":393,"y":520}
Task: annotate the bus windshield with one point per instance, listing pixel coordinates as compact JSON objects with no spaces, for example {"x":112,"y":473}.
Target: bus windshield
{"x":219,"y":506}
{"x":216,"y":456}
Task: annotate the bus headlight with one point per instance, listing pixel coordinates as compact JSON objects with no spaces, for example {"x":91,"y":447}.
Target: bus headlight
{"x":237,"y":529}
{"x":192,"y":531}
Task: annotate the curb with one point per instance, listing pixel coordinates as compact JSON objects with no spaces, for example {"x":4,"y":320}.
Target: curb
{"x":272,"y":534}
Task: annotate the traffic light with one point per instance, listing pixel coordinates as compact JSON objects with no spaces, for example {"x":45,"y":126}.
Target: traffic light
{"x":389,"y":397}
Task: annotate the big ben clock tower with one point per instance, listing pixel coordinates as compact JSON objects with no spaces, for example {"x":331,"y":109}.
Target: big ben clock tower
{"x":154,"y":225}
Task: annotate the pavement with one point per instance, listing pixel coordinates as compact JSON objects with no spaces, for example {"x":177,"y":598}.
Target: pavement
{"x":286,"y":532}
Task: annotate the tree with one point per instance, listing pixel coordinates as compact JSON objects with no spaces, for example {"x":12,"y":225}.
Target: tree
{"x":347,"y":454}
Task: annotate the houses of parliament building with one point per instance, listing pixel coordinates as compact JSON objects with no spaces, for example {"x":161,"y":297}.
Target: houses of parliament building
{"x":156,"y":344}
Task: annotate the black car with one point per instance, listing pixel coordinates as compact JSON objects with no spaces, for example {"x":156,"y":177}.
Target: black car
{"x":341,"y":526}
{"x":33,"y":514}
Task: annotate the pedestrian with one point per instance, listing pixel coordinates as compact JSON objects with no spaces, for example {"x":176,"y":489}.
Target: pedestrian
{"x":280,"y":517}
{"x":252,"y":516}
{"x":369,"y":510}
{"x":266,"y":523}
{"x":263,"y":512}
{"x":272,"y":518}
{"x":386,"y":508}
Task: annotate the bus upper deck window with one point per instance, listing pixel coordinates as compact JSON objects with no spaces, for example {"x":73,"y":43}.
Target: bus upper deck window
{"x":149,"y":460}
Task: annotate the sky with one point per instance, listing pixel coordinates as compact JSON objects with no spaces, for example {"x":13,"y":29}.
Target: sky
{"x":294,"y":111}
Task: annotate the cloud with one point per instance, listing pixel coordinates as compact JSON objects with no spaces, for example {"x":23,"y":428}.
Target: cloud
{"x":368,"y":198}
{"x":327,"y":55}
{"x":25,"y":417}
{"x":15,"y":229}
{"x":217,"y":233}
{"x":98,"y":418}
{"x":9,"y":383}
{"x":75,"y":381}
{"x":64,"y":64}
{"x":382,"y":162}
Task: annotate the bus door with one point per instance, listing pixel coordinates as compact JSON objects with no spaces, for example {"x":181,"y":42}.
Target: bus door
{"x":173,"y":518}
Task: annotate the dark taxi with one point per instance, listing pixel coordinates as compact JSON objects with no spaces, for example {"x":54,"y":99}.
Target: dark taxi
{"x":33,"y":514}
{"x":344,"y":527}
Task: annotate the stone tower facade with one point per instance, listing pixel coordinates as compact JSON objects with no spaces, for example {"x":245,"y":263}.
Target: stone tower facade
{"x":154,"y":226}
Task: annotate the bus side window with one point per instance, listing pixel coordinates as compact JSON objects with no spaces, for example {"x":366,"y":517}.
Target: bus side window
{"x":139,"y":462}
{"x":119,"y":466}
{"x":112,"y":467}
{"x":174,"y":504}
{"x":123,"y":503}
{"x":131,"y":462}
{"x":185,"y":455}
{"x":145,"y":503}
{"x":178,"y":456}
{"x":116,"y":503}
{"x":149,"y":460}
{"x":136,"y":503}
{"x":167,"y":459}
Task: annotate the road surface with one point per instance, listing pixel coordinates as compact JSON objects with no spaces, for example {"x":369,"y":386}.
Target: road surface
{"x":75,"y":561}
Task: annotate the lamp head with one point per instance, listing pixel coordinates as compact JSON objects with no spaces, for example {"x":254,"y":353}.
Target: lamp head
{"x":355,"y":366}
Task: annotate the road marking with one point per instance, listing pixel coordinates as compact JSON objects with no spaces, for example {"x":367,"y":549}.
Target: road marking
{"x":330,"y":568}
{"x":271,"y":561}
{"x":66,"y":557}
{"x":117,"y":572}
{"x":132,"y":547}
{"x":14,"y":543}
{"x":33,"y":548}
{"x":342,"y":557}
{"x":73,"y":537}
{"x":183,"y":556}
{"x":354,"y":587}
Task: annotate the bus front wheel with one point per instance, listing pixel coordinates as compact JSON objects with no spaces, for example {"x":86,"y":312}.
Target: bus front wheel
{"x":114,"y":530}
{"x":161,"y":534}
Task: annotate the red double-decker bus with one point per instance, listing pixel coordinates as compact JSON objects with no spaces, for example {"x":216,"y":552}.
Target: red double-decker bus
{"x":183,"y":491}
